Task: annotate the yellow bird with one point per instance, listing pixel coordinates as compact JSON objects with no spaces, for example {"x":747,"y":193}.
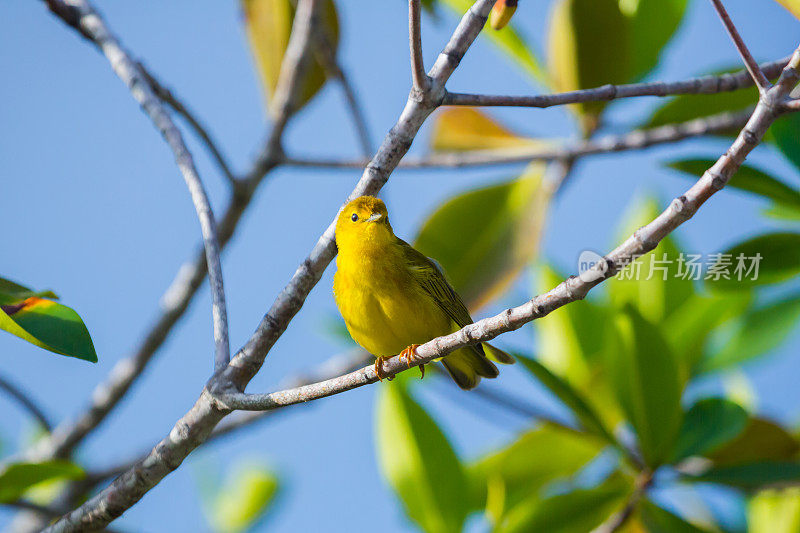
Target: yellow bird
{"x":393,"y":298}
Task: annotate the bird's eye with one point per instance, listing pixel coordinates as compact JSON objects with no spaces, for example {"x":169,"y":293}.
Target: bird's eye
{"x":354,"y":217}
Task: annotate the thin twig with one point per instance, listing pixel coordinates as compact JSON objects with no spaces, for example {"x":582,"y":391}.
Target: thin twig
{"x":559,"y":150}
{"x":752,"y":66}
{"x":25,"y":401}
{"x":418,"y":75}
{"x":201,"y":131}
{"x":93,"y":28}
{"x":701,"y":85}
{"x":326,"y":53}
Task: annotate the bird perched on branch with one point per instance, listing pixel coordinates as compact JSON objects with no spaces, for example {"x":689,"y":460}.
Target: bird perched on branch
{"x":393,"y":298}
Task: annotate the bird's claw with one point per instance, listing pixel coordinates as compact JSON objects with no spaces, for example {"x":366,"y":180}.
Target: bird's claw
{"x":409,"y":354}
{"x":422,"y":371}
{"x":379,"y":367}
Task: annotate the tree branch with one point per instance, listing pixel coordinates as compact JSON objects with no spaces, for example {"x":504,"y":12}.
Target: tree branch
{"x":561,"y":150}
{"x":752,"y":66}
{"x":619,"y":519}
{"x":25,"y":401}
{"x":91,"y":26}
{"x":418,"y":75}
{"x":700,"y":85}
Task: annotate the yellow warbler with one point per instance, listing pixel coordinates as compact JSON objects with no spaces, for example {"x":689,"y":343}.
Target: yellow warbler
{"x":393,"y":298}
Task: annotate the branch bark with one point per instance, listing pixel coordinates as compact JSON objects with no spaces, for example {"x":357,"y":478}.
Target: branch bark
{"x":418,"y":76}
{"x":752,"y":66}
{"x":700,"y":85}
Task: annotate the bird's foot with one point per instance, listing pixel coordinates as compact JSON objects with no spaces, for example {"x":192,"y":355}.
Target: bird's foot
{"x":422,"y":371}
{"x":379,"y":367}
{"x":409,"y":354}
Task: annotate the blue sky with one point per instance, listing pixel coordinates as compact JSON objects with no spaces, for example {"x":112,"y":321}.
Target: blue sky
{"x":95,"y":208}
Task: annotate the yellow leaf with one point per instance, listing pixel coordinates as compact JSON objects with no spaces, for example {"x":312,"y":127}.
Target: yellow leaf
{"x":792,"y":5}
{"x":269,"y":25}
{"x":459,"y":129}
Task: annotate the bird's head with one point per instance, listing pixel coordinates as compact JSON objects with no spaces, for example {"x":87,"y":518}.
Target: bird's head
{"x":363,"y":220}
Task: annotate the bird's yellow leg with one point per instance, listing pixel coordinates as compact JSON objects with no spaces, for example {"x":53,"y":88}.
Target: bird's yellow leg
{"x":409,"y":354}
{"x":379,"y":367}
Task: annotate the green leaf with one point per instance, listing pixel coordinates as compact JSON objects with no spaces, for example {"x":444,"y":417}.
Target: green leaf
{"x":646,"y":381}
{"x":693,"y":323}
{"x":761,"y":440}
{"x":781,"y":212}
{"x":756,"y":333}
{"x":747,"y":178}
{"x":17,"y":478}
{"x":777,"y":256}
{"x":460,"y":129}
{"x":419,"y":463}
{"x":269,"y":24}
{"x":50,"y":325}
{"x":509,"y":41}
{"x":652,"y":25}
{"x":534,"y":460}
{"x":691,"y":106}
{"x":564,"y":392}
{"x":574,"y":512}
{"x":656,"y":284}
{"x":658,"y":520}
{"x":483,"y":238}
{"x":784,"y":133}
{"x":774,"y":511}
{"x":244,"y":498}
{"x":708,"y":425}
{"x":752,"y":476}
{"x":589,"y":46}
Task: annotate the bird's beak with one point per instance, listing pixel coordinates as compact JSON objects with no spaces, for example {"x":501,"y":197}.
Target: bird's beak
{"x":374,"y":218}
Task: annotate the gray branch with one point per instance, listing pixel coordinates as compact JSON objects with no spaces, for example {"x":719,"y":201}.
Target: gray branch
{"x":700,"y":85}
{"x":82,"y":15}
{"x":24,"y":399}
{"x":560,"y":150}
{"x":418,"y":76}
{"x":752,"y":67}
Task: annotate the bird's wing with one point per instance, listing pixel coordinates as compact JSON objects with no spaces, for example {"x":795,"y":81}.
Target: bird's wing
{"x":430,"y":277}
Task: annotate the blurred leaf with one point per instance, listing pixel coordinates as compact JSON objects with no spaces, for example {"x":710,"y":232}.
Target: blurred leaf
{"x":574,"y":512}
{"x":458,"y":129}
{"x":483,"y":238}
{"x":761,"y":440}
{"x":244,"y":498}
{"x":692,"y":324}
{"x":756,"y":333}
{"x":665,"y":291}
{"x":564,"y":392}
{"x":774,"y":511}
{"x":777,"y":256}
{"x":652,"y":25}
{"x":792,"y":5}
{"x":691,"y":106}
{"x":419,"y":463}
{"x":509,"y":41}
{"x":588,"y":47}
{"x":752,"y":476}
{"x":658,"y":520}
{"x":647,"y":385}
{"x":748,"y":179}
{"x":785,"y":133}
{"x":16,"y":478}
{"x":43,"y":322}
{"x":707,"y":425}
{"x":781,"y":212}
{"x":269,"y":25}
{"x":534,"y":460}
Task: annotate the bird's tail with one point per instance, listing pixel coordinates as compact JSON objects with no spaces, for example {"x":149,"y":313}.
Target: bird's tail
{"x":466,"y":366}
{"x":497,"y":355}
